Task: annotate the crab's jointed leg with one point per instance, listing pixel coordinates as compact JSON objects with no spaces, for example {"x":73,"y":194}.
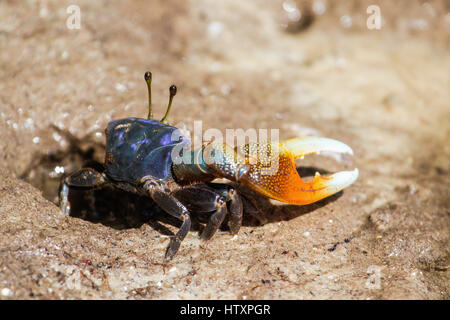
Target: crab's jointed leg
{"x":218,"y":199}
{"x":84,"y":178}
{"x":173,"y":207}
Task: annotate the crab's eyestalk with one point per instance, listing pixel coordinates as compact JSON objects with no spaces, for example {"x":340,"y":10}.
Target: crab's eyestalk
{"x":148,"y":79}
{"x":173,"y":92}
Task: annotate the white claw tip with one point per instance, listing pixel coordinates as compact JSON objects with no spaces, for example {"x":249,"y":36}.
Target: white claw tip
{"x":342,"y":180}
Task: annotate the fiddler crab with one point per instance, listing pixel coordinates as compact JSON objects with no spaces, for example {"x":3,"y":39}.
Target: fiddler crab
{"x":139,"y":159}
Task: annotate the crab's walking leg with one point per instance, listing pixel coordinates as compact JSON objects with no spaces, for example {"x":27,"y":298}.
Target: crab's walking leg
{"x":175,"y":208}
{"x":83,"y":178}
{"x":236,"y":210}
{"x":213,"y":197}
{"x":215,"y":221}
{"x":235,"y":205}
{"x":64,"y":197}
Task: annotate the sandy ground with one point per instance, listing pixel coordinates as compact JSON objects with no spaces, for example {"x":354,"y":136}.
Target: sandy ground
{"x":237,"y":64}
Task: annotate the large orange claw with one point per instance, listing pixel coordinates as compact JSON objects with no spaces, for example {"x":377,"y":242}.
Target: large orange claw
{"x":270,"y":169}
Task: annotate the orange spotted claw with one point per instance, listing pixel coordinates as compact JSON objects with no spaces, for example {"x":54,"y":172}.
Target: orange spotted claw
{"x":270,"y":168}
